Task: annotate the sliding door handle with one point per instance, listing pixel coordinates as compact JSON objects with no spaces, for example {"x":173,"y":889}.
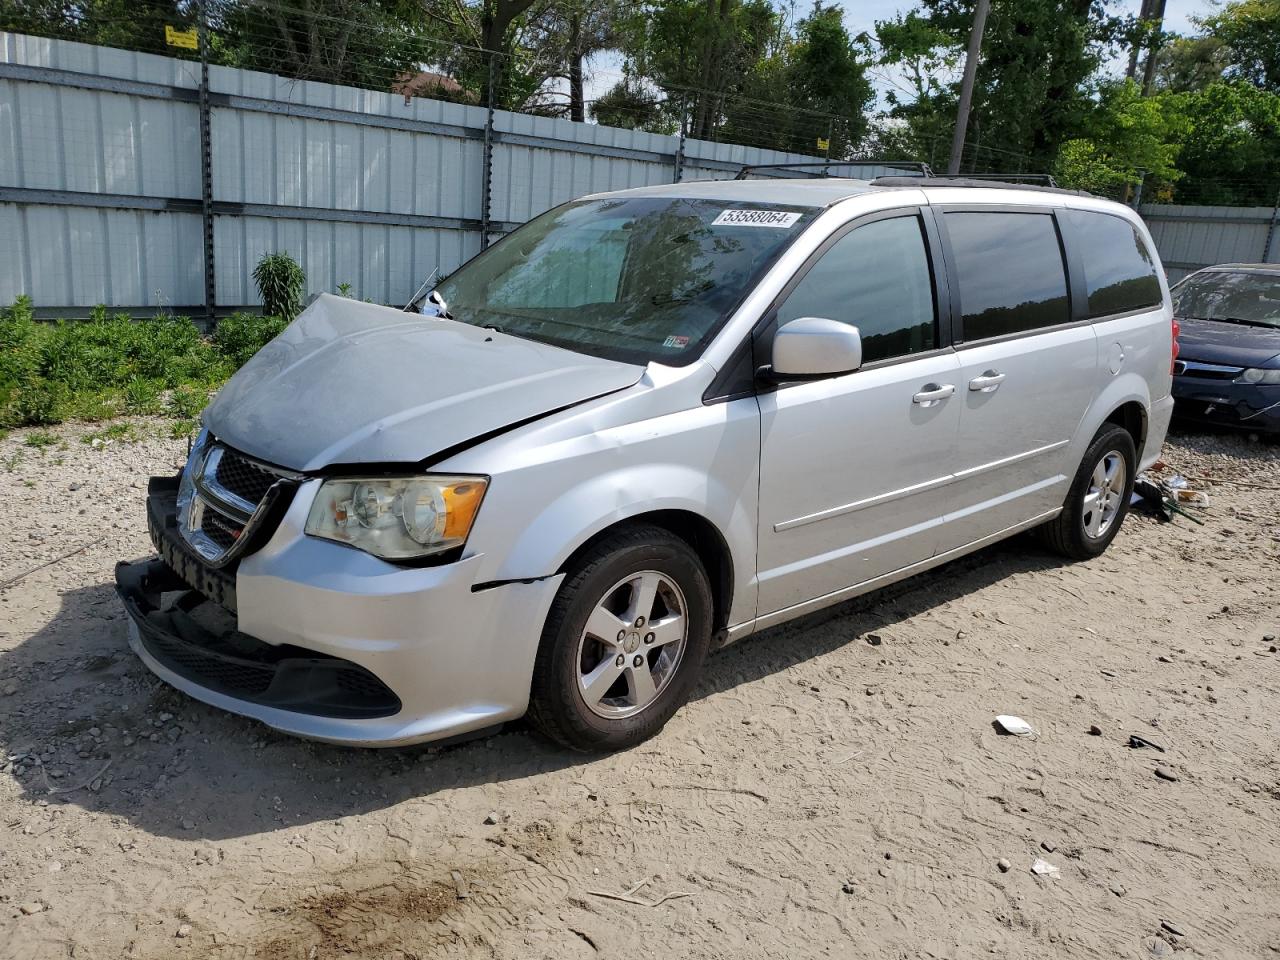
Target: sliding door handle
{"x":932,"y":393}
{"x":986,"y":383}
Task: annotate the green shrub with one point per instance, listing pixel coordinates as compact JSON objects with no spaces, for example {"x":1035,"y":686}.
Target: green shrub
{"x":142,"y":396}
{"x":241,"y":335}
{"x":187,"y":401}
{"x":280,"y":283}
{"x":114,"y":351}
{"x":19,"y":344}
{"x":35,"y":405}
{"x":110,"y":365}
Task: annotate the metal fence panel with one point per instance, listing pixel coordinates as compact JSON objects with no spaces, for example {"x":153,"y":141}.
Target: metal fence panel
{"x":1191,"y":237}
{"x":361,"y":187}
{"x":100,"y":181}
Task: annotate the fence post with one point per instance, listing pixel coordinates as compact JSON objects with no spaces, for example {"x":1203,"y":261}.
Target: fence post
{"x":1271,"y":229}
{"x":487,"y":173}
{"x":684,"y":132}
{"x":206,"y":167}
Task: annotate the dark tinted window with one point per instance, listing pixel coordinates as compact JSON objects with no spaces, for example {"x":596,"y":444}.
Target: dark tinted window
{"x":1011,"y":276}
{"x":876,"y":277}
{"x":1119,"y":273}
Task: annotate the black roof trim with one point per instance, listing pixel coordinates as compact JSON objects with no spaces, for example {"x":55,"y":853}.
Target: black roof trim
{"x":825,"y":166}
{"x":937,"y":181}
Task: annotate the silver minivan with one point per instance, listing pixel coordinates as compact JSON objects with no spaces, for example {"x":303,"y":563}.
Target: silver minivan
{"x":642,"y":426}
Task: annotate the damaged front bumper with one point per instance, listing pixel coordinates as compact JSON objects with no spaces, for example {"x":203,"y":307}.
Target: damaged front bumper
{"x":1245,"y":406}
{"x":323,"y":641}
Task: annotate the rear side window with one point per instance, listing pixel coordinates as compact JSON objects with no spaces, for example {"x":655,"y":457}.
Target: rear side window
{"x":876,"y":278}
{"x":1119,"y":272}
{"x":1010,"y":272}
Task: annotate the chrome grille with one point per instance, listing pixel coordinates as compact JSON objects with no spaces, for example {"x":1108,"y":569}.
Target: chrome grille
{"x":216,"y":527}
{"x":243,"y":477}
{"x":223,"y":497}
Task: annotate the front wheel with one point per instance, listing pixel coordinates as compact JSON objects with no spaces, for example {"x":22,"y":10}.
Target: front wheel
{"x":624,"y":641}
{"x":1098,"y":499}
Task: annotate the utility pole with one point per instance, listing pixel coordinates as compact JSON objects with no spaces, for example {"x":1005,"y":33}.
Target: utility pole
{"x":1153,"y":49}
{"x":1143,"y":15}
{"x":966,"y":85}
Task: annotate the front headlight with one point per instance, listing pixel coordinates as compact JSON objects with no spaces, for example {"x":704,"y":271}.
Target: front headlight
{"x":397,"y":518}
{"x":1256,"y":375}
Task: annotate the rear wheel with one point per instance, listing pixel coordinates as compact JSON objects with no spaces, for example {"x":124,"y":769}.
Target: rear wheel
{"x":1098,"y":499}
{"x":624,"y":641}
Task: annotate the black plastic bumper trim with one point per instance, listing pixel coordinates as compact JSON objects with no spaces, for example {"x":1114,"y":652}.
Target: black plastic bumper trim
{"x":240,"y":666}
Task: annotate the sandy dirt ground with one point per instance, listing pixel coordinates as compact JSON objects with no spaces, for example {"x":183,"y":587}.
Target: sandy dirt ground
{"x":836,"y":787}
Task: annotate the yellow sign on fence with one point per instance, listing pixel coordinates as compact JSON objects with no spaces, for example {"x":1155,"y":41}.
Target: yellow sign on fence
{"x":181,"y":38}
{"x":824,"y":144}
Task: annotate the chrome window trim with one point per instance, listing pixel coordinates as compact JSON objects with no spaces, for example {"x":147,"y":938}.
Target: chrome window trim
{"x":1182,"y":367}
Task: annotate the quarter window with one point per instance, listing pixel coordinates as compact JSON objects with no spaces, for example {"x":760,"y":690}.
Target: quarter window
{"x":876,"y":277}
{"x":1119,"y":272}
{"x":1010,"y":272}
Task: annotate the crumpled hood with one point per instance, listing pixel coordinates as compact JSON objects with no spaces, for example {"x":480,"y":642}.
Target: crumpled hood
{"x":349,"y":382}
{"x":1232,"y":344}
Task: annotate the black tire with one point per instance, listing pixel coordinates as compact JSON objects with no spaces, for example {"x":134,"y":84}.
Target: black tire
{"x":1067,"y":533}
{"x":556,"y":705}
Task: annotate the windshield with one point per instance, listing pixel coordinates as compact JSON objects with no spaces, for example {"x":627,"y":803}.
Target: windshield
{"x":634,"y":279}
{"x":1239,"y":297}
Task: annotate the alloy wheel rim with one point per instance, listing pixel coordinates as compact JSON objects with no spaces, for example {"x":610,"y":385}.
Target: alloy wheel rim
{"x":632,"y":645}
{"x":1104,"y":496}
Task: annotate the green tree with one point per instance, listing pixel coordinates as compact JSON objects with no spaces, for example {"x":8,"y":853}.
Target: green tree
{"x":827,"y":85}
{"x":1190,"y":63}
{"x":1032,"y":91}
{"x":634,"y":105}
{"x":920,"y":119}
{"x":1131,"y":137}
{"x":1250,"y":31}
{"x":566,"y":36}
{"x":811,"y":86}
{"x":108,"y":23}
{"x":1230,"y":152}
{"x":363,"y":43}
{"x":699,"y":53}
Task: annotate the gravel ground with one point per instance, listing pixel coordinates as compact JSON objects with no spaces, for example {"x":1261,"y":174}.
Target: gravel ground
{"x":836,"y":787}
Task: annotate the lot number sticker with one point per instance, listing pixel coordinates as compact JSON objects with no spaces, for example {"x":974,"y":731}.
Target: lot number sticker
{"x":778,"y":219}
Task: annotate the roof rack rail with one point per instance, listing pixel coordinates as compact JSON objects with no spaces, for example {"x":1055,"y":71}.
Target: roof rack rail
{"x":1041,"y":182}
{"x":826,"y":165}
{"x":1043,"y":178}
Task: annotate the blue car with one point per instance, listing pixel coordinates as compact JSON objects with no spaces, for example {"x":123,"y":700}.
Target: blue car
{"x":1227,"y":370}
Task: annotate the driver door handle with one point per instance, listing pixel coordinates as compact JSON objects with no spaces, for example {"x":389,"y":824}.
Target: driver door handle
{"x":987,"y":383}
{"x":932,"y":393}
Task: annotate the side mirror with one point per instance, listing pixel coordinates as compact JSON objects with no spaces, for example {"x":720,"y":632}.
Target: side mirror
{"x":813,"y":347}
{"x":434,"y":305}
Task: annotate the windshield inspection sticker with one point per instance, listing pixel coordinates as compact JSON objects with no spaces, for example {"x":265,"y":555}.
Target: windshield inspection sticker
{"x":676,"y":341}
{"x":778,"y":219}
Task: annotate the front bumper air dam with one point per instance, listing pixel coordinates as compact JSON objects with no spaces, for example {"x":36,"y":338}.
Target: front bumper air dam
{"x":458,"y":660}
{"x":1244,"y":406}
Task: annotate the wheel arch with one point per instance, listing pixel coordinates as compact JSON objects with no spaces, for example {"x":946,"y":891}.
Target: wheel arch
{"x":1125,"y":400}
{"x":1131,"y":415}
{"x":702,"y":536}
